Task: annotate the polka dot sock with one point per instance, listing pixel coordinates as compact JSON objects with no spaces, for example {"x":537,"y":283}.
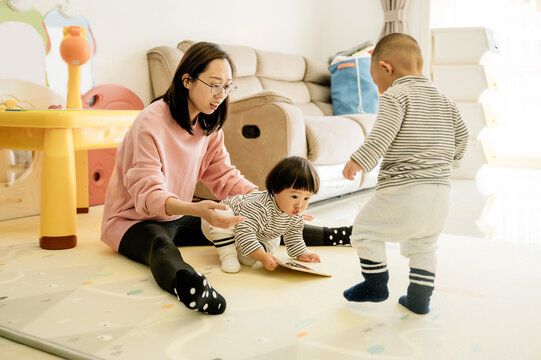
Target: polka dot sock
{"x":337,"y":235}
{"x":374,"y":287}
{"x":194,"y":291}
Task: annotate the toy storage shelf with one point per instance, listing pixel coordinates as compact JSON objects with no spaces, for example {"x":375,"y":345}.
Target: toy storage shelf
{"x":459,"y":68}
{"x":463,"y":46}
{"x":463,"y":82}
{"x":477,"y":116}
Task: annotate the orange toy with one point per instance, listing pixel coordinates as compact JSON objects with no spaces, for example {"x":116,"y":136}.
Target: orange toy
{"x":101,"y":162}
{"x":75,"y":51}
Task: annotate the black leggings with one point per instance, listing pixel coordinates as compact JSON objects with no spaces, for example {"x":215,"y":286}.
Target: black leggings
{"x":156,"y":244}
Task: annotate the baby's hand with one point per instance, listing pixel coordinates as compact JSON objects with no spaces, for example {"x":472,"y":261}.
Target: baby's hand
{"x":309,"y":257}
{"x":351,"y":169}
{"x":269,"y":261}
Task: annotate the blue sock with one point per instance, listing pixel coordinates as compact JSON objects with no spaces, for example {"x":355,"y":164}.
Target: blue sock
{"x":374,"y":287}
{"x":194,"y":291}
{"x":419,"y":291}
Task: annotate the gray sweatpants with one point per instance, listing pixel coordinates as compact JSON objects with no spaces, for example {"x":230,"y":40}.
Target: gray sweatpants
{"x":413,"y":215}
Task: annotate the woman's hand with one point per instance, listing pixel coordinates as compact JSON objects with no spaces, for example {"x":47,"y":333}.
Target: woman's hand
{"x":206,"y":210}
{"x":309,"y":257}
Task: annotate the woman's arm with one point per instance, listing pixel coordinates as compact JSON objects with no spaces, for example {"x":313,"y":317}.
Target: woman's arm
{"x":203,"y":209}
{"x":223,"y":178}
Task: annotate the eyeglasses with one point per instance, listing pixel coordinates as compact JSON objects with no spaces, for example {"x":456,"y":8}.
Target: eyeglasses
{"x":216,"y":89}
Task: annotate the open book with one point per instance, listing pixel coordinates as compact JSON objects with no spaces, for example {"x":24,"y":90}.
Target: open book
{"x":299,"y":267}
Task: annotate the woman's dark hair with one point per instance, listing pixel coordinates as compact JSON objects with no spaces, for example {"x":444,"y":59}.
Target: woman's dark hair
{"x":293,"y":172}
{"x":194,"y":62}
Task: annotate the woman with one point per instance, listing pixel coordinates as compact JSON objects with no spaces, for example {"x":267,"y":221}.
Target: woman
{"x":173,"y":143}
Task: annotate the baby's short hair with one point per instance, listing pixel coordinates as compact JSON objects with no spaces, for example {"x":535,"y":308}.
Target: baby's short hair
{"x":403,"y":46}
{"x":293,"y":172}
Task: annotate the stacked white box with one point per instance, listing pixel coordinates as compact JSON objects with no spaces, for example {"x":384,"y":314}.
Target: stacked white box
{"x":459,"y":68}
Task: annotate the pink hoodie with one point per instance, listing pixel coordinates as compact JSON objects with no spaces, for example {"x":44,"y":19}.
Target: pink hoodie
{"x":157,"y":160}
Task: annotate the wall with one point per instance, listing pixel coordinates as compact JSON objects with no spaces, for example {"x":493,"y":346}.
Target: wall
{"x":345,"y":23}
{"x":125,"y":29}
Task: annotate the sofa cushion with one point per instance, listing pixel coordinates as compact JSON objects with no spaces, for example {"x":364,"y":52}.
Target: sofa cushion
{"x":319,"y":93}
{"x":332,"y":139}
{"x":310,"y":109}
{"x":317,"y":71}
{"x":306,"y":81}
{"x":246,"y":86}
{"x":281,"y":67}
{"x":162,"y":64}
{"x":365,"y":120}
{"x":296,"y":90}
{"x":244,"y":58}
{"x":325,"y":107}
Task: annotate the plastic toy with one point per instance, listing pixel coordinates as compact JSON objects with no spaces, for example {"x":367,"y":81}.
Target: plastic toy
{"x":20,"y":170}
{"x":56,"y":20}
{"x":75,"y":51}
{"x":9,"y":104}
{"x":20,"y":23}
{"x":62,"y":136}
{"x":101,"y":161}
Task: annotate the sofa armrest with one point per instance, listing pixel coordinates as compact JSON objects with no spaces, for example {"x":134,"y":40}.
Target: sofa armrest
{"x":162,"y":65}
{"x":365,"y":120}
{"x":259,"y":99}
{"x":260,"y":130}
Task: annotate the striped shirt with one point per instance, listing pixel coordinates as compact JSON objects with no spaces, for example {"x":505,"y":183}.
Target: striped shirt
{"x":419,"y":132}
{"x":264,"y":221}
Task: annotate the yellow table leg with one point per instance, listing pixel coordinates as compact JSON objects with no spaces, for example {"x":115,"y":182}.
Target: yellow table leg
{"x":58,"y":218}
{"x":81,"y":176}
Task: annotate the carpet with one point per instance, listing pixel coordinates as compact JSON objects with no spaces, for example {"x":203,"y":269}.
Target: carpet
{"x":91,"y":303}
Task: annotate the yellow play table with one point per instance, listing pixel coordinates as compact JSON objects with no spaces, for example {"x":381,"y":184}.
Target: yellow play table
{"x":61,"y":134}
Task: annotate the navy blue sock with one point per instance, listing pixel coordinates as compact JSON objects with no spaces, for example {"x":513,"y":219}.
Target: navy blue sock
{"x":337,"y":235}
{"x":419,"y":291}
{"x":194,"y":291}
{"x":374,"y":287}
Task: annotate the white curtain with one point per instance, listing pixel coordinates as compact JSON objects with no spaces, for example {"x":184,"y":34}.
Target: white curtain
{"x":395,"y":16}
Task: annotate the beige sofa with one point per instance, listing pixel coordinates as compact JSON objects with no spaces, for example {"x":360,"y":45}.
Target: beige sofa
{"x":282,"y":107}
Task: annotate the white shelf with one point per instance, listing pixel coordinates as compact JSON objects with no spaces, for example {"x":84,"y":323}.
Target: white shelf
{"x":474,"y":158}
{"x":462,"y":46}
{"x":459,"y":56}
{"x":477,"y":116}
{"x":464,"y":83}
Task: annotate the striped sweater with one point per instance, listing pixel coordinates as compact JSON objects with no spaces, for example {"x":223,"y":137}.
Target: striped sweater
{"x":264,"y":221}
{"x":419,"y":132}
